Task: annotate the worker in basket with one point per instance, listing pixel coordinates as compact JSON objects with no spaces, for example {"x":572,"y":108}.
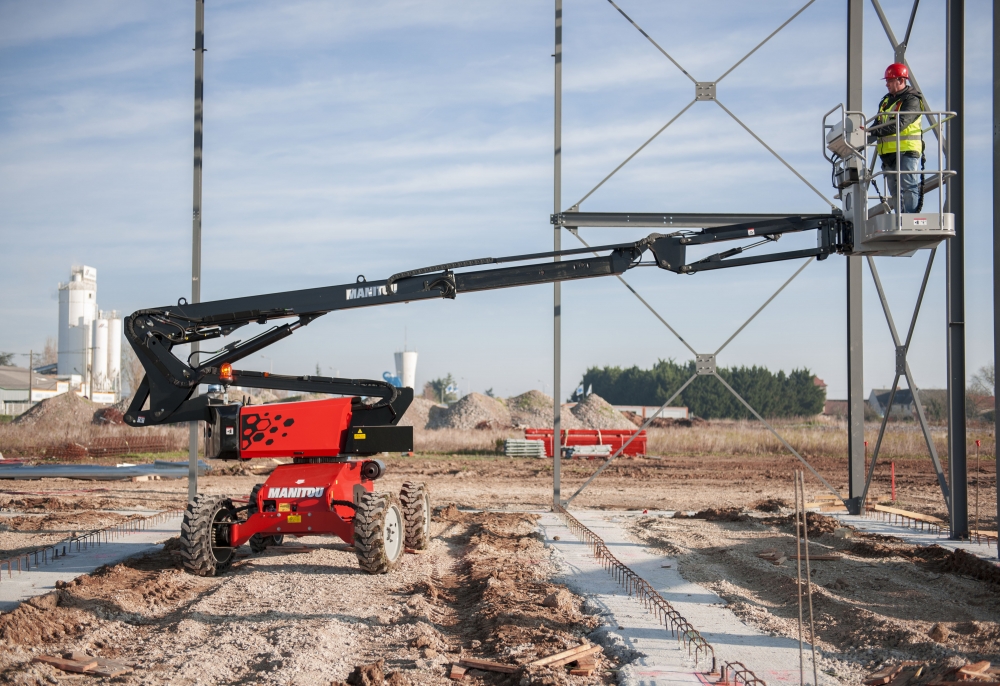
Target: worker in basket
{"x":902,"y":97}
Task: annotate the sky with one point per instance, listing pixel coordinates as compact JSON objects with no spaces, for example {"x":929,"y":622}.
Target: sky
{"x":370,"y":138}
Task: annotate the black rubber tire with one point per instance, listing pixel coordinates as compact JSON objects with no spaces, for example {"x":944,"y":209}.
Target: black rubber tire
{"x":379,"y":532}
{"x":416,"y":503}
{"x":204,"y":547}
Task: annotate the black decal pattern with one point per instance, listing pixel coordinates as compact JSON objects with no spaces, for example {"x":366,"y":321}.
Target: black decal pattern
{"x":255,"y":427}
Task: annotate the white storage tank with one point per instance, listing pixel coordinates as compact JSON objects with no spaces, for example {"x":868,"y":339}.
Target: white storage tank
{"x":406,"y":368}
{"x":77,"y":308}
{"x":115,"y":351}
{"x":99,"y":368}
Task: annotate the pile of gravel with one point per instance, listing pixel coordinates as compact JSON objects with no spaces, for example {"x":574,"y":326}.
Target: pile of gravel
{"x":418,"y":413}
{"x":534,"y":410}
{"x":474,"y":411}
{"x":59,"y":412}
{"x":594,"y":412}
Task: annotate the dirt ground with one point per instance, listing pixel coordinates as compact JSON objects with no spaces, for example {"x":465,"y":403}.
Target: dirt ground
{"x":311,"y":618}
{"x":879,"y":602}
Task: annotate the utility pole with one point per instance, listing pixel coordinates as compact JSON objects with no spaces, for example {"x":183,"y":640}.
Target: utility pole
{"x":31,"y":374}
{"x":199,"y":95}
{"x":556,"y":290}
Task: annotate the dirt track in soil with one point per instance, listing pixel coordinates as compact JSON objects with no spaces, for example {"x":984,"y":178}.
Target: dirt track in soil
{"x":291,"y":607}
{"x":310,"y":618}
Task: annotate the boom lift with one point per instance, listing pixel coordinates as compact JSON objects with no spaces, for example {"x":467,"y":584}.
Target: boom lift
{"x":333,"y":443}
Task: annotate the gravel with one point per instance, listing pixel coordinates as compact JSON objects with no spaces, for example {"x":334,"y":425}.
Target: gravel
{"x":474,"y":411}
{"x":594,"y":412}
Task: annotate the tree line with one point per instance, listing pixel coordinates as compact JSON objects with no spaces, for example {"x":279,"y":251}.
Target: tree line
{"x":771,"y":394}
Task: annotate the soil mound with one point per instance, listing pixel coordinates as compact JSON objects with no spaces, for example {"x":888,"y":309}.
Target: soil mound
{"x":474,"y":411}
{"x":533,"y":410}
{"x":722,"y":514}
{"x":67,"y":410}
{"x":417,"y":413}
{"x":594,"y":412}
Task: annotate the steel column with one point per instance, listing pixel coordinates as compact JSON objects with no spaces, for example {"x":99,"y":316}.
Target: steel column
{"x":556,"y":290}
{"x":996,"y":241}
{"x":855,"y":274}
{"x":199,"y":96}
{"x":957,"y":468}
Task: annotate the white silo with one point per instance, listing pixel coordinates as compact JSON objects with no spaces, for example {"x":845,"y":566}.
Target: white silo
{"x":115,"y":351}
{"x":99,"y":367}
{"x":406,"y":368}
{"x":77,"y":309}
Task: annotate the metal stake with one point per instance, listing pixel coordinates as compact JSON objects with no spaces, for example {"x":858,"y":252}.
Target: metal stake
{"x":556,"y":287}
{"x":199,"y":97}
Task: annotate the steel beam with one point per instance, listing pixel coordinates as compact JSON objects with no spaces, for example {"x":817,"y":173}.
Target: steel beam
{"x":996,"y":239}
{"x":667,"y":220}
{"x":199,"y":99}
{"x":556,"y":287}
{"x":957,"y":468}
{"x":855,"y":274}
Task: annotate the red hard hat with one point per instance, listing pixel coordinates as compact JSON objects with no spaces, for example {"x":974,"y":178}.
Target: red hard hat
{"x":896,"y":71}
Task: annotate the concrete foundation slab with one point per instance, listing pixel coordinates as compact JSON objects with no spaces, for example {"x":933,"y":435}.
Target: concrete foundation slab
{"x":17,"y":587}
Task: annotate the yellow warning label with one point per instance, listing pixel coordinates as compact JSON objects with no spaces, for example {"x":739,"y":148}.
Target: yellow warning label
{"x":284,"y":507}
{"x":294,"y":519}
{"x":359,"y":436}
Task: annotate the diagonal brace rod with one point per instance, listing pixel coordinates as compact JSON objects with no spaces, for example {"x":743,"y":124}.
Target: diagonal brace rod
{"x":759,"y":45}
{"x":655,"y":44}
{"x":766,"y":303}
{"x":632,"y":438}
{"x":771,"y":150}
{"x":778,"y":436}
{"x":637,"y":151}
{"x":649,"y":307}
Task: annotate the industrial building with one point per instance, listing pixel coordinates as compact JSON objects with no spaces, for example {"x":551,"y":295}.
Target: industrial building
{"x":90,"y":339}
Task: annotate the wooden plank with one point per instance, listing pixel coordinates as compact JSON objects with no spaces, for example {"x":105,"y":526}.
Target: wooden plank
{"x":457,"y":673}
{"x":105,"y":667}
{"x":581,"y":672}
{"x":828,"y":557}
{"x":975,"y":668}
{"x":912,"y":515}
{"x":883,"y":676}
{"x":905,"y":675}
{"x":78,"y":666}
{"x":549,"y":659}
{"x":779,"y":560}
{"x":487,"y":665}
{"x":572,"y":658}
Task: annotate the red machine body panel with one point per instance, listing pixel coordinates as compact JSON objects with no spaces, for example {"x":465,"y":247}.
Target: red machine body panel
{"x":297,"y":500}
{"x":612,"y":437}
{"x":312,"y":428}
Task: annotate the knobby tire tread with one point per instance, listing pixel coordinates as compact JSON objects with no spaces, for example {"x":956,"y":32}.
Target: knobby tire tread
{"x":415,"y":500}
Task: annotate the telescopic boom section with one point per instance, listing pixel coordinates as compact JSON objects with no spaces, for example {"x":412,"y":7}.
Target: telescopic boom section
{"x":170,"y":381}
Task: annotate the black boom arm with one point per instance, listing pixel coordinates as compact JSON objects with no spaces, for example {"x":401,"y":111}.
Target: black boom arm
{"x":170,"y":381}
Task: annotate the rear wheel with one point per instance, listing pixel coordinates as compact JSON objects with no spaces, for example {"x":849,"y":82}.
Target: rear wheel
{"x":205,"y":544}
{"x":416,"y":504}
{"x":379,"y":532}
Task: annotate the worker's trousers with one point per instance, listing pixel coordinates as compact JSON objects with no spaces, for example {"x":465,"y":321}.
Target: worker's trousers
{"x":909,"y":183}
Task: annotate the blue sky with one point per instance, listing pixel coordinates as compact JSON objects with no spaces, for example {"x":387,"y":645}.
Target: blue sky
{"x":369,"y":138}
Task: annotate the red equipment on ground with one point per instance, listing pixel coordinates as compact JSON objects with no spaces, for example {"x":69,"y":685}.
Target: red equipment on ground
{"x":587,"y":437}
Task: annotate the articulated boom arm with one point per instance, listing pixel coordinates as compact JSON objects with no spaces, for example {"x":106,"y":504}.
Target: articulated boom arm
{"x":170,"y":381}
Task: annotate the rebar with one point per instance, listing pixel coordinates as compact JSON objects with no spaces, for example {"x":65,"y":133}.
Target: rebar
{"x":689,"y":637}
{"x":51,"y":553}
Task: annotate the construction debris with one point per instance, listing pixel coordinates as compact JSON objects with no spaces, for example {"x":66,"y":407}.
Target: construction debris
{"x":81,"y":663}
{"x":909,"y":673}
{"x":487,"y":665}
{"x":778,"y":557}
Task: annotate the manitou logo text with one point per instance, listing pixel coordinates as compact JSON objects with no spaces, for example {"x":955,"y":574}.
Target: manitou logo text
{"x":295,"y":492}
{"x":369,"y":291}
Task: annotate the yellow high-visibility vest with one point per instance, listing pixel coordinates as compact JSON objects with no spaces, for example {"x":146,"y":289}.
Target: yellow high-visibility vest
{"x":910,"y":139}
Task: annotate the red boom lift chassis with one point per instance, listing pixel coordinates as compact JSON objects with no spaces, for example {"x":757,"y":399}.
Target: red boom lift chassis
{"x":333,"y":443}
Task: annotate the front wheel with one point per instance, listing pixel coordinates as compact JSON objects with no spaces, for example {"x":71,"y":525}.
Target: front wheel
{"x":379,"y":532}
{"x":416,"y":504}
{"x":205,"y":544}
